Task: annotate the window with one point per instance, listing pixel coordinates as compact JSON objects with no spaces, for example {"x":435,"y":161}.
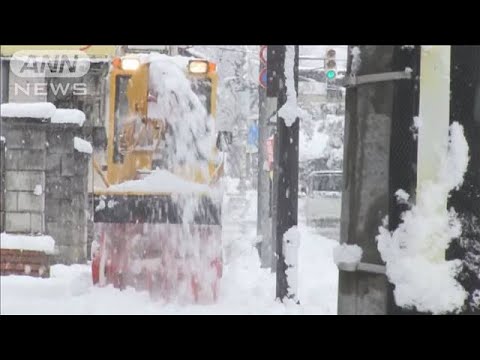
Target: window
{"x":120,"y":114}
{"x":203,"y":89}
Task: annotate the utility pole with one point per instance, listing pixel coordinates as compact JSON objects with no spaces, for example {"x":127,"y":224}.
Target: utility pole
{"x":465,"y":108}
{"x":379,"y":158}
{"x":286,"y":167}
{"x":264,"y":221}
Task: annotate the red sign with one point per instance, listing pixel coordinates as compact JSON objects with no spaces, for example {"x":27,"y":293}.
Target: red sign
{"x":262,"y":78}
{"x":263,"y":54}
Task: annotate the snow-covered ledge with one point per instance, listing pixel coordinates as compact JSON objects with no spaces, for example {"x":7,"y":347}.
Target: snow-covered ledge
{"x":42,"y":110}
{"x":348,"y":258}
{"x":42,"y":243}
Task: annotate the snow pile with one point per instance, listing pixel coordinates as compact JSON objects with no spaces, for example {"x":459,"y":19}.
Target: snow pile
{"x":82,"y":145}
{"x":347,"y":254}
{"x":161,"y":181}
{"x":291,"y":244}
{"x":2,"y":139}
{"x":415,"y":252}
{"x":38,"y":190}
{"x":25,"y":242}
{"x":41,"y":110}
{"x":290,"y":110}
{"x":68,"y":116}
{"x":356,"y":60}
{"x":402,"y":196}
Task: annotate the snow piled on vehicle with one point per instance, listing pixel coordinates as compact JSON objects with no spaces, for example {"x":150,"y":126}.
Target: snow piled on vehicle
{"x":161,"y":181}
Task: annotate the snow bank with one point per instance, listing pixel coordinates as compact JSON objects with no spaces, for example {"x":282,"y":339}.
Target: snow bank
{"x":161,"y":181}
{"x":415,"y":252}
{"x":82,"y":145}
{"x":25,"y":242}
{"x":68,"y":116}
{"x":41,"y":110}
{"x":347,"y":254}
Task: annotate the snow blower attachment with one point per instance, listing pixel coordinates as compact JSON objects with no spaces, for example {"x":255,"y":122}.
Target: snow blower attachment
{"x":160,"y":230}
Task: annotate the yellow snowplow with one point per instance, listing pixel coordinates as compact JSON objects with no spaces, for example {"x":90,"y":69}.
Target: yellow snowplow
{"x":157,"y":217}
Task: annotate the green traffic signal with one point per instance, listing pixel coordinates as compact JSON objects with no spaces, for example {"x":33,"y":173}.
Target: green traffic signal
{"x":331,"y":74}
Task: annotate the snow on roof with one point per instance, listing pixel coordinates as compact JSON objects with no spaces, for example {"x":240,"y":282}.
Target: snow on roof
{"x":68,"y":116}
{"x":82,"y":145}
{"x":40,"y":110}
{"x":27,"y":242}
{"x":43,"y":110}
{"x":161,"y":181}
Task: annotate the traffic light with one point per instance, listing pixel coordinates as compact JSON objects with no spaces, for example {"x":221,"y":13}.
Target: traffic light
{"x":330,"y":64}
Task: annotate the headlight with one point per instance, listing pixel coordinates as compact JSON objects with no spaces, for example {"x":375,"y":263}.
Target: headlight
{"x":130,"y":64}
{"x":198,"y":66}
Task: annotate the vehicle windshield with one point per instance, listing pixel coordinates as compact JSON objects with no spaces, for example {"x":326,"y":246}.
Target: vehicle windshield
{"x":203,"y":89}
{"x":326,"y":182}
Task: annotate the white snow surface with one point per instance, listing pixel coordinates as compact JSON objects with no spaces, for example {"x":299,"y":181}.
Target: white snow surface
{"x":82,"y":145}
{"x":415,"y":252}
{"x":245,"y":287}
{"x":68,"y":116}
{"x":27,"y":242}
{"x":161,"y":181}
{"x":40,"y":110}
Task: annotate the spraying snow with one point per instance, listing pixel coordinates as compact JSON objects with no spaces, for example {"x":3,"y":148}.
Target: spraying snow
{"x":189,"y":139}
{"x":415,"y":252}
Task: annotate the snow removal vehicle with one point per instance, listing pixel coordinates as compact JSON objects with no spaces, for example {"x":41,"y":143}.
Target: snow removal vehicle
{"x":157,"y":208}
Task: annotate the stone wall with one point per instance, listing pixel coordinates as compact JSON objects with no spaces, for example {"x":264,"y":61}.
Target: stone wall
{"x":46,"y":184}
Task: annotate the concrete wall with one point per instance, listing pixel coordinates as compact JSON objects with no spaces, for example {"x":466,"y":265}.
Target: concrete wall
{"x":43,"y":154}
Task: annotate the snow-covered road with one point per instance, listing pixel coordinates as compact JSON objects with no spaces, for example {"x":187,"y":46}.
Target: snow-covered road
{"x":245,"y":288}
